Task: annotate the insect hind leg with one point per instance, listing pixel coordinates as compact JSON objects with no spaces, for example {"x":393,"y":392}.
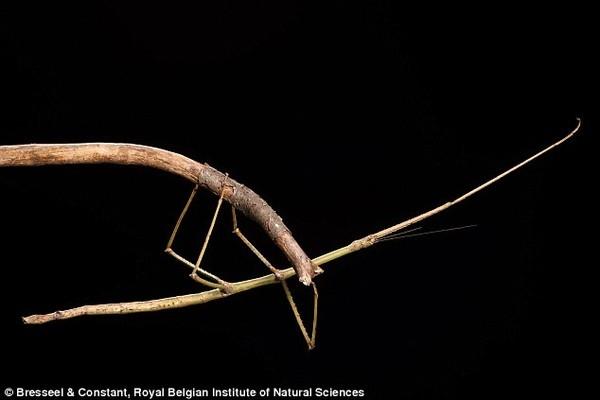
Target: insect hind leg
{"x":310,"y":340}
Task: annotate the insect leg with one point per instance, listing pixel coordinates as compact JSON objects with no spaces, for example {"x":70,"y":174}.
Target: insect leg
{"x":194,"y":275}
{"x":169,"y":249}
{"x":253,"y":249}
{"x":180,"y":219}
{"x":310,"y":340}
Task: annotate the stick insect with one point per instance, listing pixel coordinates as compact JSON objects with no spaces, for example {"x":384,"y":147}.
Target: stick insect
{"x":240,"y":198}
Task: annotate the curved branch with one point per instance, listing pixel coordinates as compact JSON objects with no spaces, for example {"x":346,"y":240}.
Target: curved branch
{"x":238,"y":287}
{"x":240,"y":196}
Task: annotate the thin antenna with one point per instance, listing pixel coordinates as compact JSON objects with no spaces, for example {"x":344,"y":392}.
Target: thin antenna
{"x":408,"y":234}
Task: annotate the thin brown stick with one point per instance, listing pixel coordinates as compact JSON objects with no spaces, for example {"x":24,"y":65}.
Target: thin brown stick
{"x":313,"y":336}
{"x":180,"y":219}
{"x":169,"y":250}
{"x":288,"y":294}
{"x":238,"y":195}
{"x":370,"y":240}
{"x":196,"y":277}
{"x":238,"y":287}
{"x":236,"y":231}
{"x":207,"y":239}
{"x":299,"y":322}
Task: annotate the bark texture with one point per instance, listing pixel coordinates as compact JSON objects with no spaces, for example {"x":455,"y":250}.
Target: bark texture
{"x":241,"y":197}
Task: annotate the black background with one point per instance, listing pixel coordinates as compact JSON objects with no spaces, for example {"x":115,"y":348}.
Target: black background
{"x":346,"y":119}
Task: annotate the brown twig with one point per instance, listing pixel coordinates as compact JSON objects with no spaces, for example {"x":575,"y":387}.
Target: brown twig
{"x":241,"y":197}
{"x":238,"y":287}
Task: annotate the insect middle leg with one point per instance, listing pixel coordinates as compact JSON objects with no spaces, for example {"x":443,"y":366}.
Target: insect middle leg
{"x":236,"y":231}
{"x":218,"y":282}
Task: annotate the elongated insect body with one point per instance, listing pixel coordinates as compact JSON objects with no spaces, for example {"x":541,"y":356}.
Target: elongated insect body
{"x":239,"y":196}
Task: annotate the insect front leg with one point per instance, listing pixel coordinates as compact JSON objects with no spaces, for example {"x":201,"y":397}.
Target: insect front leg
{"x":218,"y":282}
